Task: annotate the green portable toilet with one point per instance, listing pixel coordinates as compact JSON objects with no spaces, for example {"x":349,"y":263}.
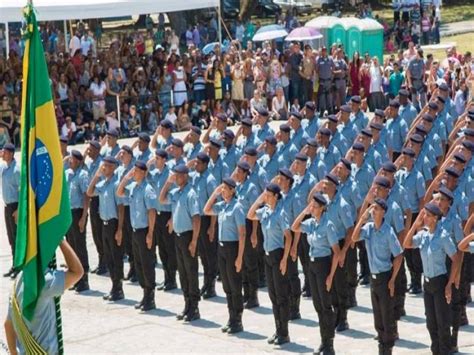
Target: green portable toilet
{"x":338,"y":35}
{"x":326,"y":26}
{"x":371,"y":34}
{"x":353,"y":38}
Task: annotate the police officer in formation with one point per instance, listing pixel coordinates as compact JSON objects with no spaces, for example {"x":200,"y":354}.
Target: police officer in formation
{"x":328,"y":187}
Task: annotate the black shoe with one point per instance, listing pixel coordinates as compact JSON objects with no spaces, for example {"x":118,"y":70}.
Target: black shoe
{"x":161,"y":286}
{"x":94,"y":270}
{"x":203,"y":290}
{"x":403,"y":313}
{"x":82,"y":286}
{"x":307,"y":293}
{"x":72,"y":288}
{"x":272,"y":339}
{"x":342,"y":326}
{"x":101,"y":270}
{"x":351,"y":301}
{"x":280,"y":340}
{"x":192,"y":315}
{"x":226,"y":327}
{"x":148,"y":306}
{"x":295,"y":315}
{"x":14,"y":274}
{"x":180,"y":316}
{"x":235,"y":327}
{"x":133,"y":279}
{"x":252,"y":303}
{"x":170,"y":286}
{"x":210,"y":292}
{"x":107,"y":296}
{"x":116,"y":296}
{"x":364,"y":281}
{"x":139,"y":304}
{"x":9,"y":273}
{"x":130,"y":275}
{"x":415,"y":290}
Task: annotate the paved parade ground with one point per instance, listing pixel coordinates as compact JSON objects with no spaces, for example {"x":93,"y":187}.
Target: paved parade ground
{"x":94,"y":326}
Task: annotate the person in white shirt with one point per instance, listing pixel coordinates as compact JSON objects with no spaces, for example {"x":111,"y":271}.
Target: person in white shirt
{"x":98,"y":88}
{"x":85,"y":44}
{"x":68,"y":130}
{"x":171,"y":115}
{"x":74,"y":44}
{"x":376,"y":97}
{"x":112,"y":121}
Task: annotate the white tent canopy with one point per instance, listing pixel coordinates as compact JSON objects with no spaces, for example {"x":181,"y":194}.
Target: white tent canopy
{"x":55,"y":10}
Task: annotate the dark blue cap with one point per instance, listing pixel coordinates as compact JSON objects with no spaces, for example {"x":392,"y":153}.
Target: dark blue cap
{"x":166,"y":124}
{"x":446,"y":192}
{"x":110,"y":159}
{"x":273,"y":188}
{"x":441,"y":99}
{"x":333,"y":118}
{"x":356,"y":99}
{"x":181,"y":169}
{"x":394,"y":103}
{"x":367,"y":132}
{"x":285,"y":128}
{"x":301,"y":156}
{"x":113,"y":132}
{"x":229,"y":133}
{"x":229,"y":182}
{"x":262,"y":111}
{"x":296,"y":115}
{"x":332,"y":178}
{"x":310,"y":105}
{"x":144,"y":137}
{"x":203,"y":157}
{"x":319,"y":198}
{"x":358,"y":146}
{"x":346,"y":108}
{"x":196,"y":130}
{"x":346,"y":163}
{"x":433,"y":105}
{"x":177,"y":142}
{"x":404,"y":92}
{"x":222,"y":117}
{"x":271,"y":139}
{"x":325,"y":131}
{"x":459,"y":157}
{"x":9,"y":147}
{"x":381,"y":202}
{"x":379,"y":112}
{"x":139,"y":164}
{"x":389,"y":166}
{"x":469,"y":132}
{"x":127,"y":149}
{"x":376,"y":125}
{"x":443,"y":87}
{"x":428,"y":117}
{"x":215,"y":142}
{"x":312,"y":142}
{"x":286,"y":173}
{"x":408,"y":151}
{"x":247,"y":122}
{"x":382,"y":181}
{"x":419,"y":128}
{"x":468,"y":145}
{"x":433,"y":209}
{"x":251,"y":151}
{"x":453,"y":172}
{"x":95,"y":144}
{"x":74,"y":153}
{"x":244,"y":166}
{"x":161,"y":153}
{"x":416,"y":138}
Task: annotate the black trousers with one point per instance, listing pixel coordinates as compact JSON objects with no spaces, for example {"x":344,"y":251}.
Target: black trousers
{"x":144,"y":259}
{"x":400,"y":291}
{"x":382,"y":305}
{"x":96,"y":226}
{"x":127,"y":232}
{"x":187,"y":267}
{"x":293,"y":274}
{"x":78,"y":239}
{"x":303,"y":253}
{"x":250,"y":276}
{"x":350,"y":266}
{"x":11,"y":225}
{"x":438,"y":314}
{"x":413,"y":260}
{"x":231,"y":279}
{"x":278,"y":288}
{"x":340,"y":289}
{"x":260,"y":254}
{"x":363,"y":260}
{"x":319,"y":269}
{"x":166,"y":245}
{"x":113,"y":254}
{"x":208,"y":250}
{"x":459,"y":296}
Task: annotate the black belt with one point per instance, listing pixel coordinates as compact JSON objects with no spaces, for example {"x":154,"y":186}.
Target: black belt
{"x":228,"y":242}
{"x":106,"y":223}
{"x":161,"y":212}
{"x":139,"y":229}
{"x":429,"y":279}
{"x":182,"y":233}
{"x":315,"y":258}
{"x":380,"y":274}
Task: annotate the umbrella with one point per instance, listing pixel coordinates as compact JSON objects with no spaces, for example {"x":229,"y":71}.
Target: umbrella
{"x":208,"y":48}
{"x":267,"y":33}
{"x":303,"y":34}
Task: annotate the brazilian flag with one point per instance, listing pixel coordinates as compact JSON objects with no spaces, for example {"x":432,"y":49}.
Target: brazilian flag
{"x":44,"y":213}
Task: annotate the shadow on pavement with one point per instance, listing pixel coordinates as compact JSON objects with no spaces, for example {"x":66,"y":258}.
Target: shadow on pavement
{"x":294,"y":348}
{"x":361,"y":309}
{"x":357,"y":334}
{"x":261,"y":310}
{"x":217,"y":299}
{"x":410,"y":344}
{"x":91,"y":293}
{"x":413,"y":319}
{"x":203,"y":323}
{"x":249,"y":335}
{"x":159,"y":312}
{"x":306,"y":322}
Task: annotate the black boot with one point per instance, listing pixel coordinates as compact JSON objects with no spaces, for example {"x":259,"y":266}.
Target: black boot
{"x":295,"y":308}
{"x":83,"y":284}
{"x":306,"y":289}
{"x":283,"y":336}
{"x":171,"y":284}
{"x":193,"y":313}
{"x":226,"y":327}
{"x":351,"y":298}
{"x":464,"y":320}
{"x":204,"y":287}
{"x":454,"y":341}
{"x":253,"y":299}
{"x":387,"y":350}
{"x":117,"y":292}
{"x":161,"y":286}
{"x":130,"y":274}
{"x":149,"y":302}
{"x":9,"y":273}
{"x":342,"y":324}
{"x":326,"y":347}
{"x":211,"y":290}
{"x":140,"y":304}
{"x":416,"y":284}
{"x":236,"y":325}
{"x":185,"y":311}
{"x":381,"y":349}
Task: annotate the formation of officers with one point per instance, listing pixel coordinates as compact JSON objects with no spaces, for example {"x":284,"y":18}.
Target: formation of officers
{"x":333,"y":192}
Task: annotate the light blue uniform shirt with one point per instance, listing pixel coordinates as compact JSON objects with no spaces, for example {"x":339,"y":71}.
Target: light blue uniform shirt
{"x":414,"y":185}
{"x":264,"y":132}
{"x":78,"y":182}
{"x":317,"y":168}
{"x":192,"y":154}
{"x":184,"y":206}
{"x":230,"y":217}
{"x":439,"y":125}
{"x":320,"y":235}
{"x":230,"y":157}
{"x":269,"y":165}
{"x":174,"y":162}
{"x":10,"y":182}
{"x":360,"y":120}
{"x":285,"y":154}
{"x":142,"y":199}
{"x":43,"y":326}
{"x":162,"y":143}
{"x":121,"y":171}
{"x":461,"y":204}
{"x":311,"y":127}
{"x":219,"y":169}
{"x":258,"y":177}
{"x":471,"y":247}
{"x":108,"y":151}
{"x":142,"y":156}
{"x":351,"y":192}
{"x":302,"y":186}
{"x":452,"y":225}
{"x":157,"y":179}
{"x":394,"y":216}
{"x":341,"y":214}
{"x":330,"y":155}
{"x":423,"y":165}
{"x":433,"y":250}
{"x":408,"y":113}
{"x":108,"y":200}
{"x":376,"y":155}
{"x":381,"y":244}
{"x":204,"y":185}
{"x":396,"y":132}
{"x":92,"y":166}
{"x":247,"y":193}
{"x":251,"y":141}
{"x":363,"y":177}
{"x":274,"y":224}
{"x":340,"y":140}
{"x":299,"y":138}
